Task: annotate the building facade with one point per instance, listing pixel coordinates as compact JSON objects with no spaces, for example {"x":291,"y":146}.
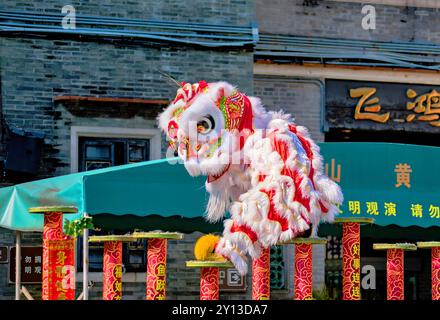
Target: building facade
{"x":354,"y":71}
{"x":87,"y":96}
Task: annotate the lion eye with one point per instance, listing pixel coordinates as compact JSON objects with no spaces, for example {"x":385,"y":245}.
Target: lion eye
{"x":205,"y":124}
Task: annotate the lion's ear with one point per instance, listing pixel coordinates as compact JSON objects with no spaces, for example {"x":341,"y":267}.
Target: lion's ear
{"x":165,"y":117}
{"x":220,"y":93}
{"x":221,"y":89}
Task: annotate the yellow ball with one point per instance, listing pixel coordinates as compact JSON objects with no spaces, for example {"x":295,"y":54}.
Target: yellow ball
{"x":204,"y":249}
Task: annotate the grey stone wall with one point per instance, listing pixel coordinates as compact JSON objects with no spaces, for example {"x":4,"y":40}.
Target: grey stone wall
{"x":343,"y":20}
{"x":235,"y":12}
{"x":302,"y":98}
{"x":33,"y":71}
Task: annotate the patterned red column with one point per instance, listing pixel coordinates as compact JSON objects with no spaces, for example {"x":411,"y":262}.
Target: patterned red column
{"x":156,"y":269}
{"x":303,"y":271}
{"x":395,"y":274}
{"x":61,"y":269}
{"x":435,"y":273}
{"x":209,"y":283}
{"x":112,"y":271}
{"x":261,"y":276}
{"x":52,"y":230}
{"x":351,"y":289}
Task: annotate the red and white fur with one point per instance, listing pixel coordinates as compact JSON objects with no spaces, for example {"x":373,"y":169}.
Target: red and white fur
{"x":273,"y":185}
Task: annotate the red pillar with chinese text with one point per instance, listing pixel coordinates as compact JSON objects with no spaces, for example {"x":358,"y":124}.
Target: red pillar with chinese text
{"x":351,"y":256}
{"x":112,"y":264}
{"x":52,"y":287}
{"x":303,"y":278}
{"x":351,"y":268}
{"x":61,"y":269}
{"x":112,"y":271}
{"x":261,"y":276}
{"x":156,"y":269}
{"x":156,"y":261}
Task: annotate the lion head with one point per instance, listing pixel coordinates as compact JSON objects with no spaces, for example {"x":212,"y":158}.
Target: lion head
{"x":207,"y":124}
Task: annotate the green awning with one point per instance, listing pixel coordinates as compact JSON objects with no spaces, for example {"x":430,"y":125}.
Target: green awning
{"x":152,"y":188}
{"x":395,"y":184}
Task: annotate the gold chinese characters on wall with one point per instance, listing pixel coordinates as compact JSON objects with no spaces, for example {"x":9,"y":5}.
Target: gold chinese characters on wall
{"x":424,"y":107}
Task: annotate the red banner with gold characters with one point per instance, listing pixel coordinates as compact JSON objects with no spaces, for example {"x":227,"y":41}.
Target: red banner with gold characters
{"x":209,"y":283}
{"x":52,"y":230}
{"x":303,"y":271}
{"x":261,"y":276}
{"x":395,"y":274}
{"x":156,"y":269}
{"x":351,"y":258}
{"x":112,"y":271}
{"x":435,"y":273}
{"x":61,"y":262}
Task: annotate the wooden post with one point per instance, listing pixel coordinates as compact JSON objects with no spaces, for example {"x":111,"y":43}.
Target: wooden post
{"x":17,"y":265}
{"x":209,"y":273}
{"x":351,"y":256}
{"x":435,"y":266}
{"x":395,"y":268}
{"x":156,"y":262}
{"x":52,"y":230}
{"x":261,"y":276}
{"x":85,"y":264}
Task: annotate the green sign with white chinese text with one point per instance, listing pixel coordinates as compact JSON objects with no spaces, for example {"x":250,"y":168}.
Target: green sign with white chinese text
{"x":392,"y":183}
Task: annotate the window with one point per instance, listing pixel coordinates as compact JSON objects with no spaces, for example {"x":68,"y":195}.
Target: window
{"x":98,"y":153}
{"x":77,"y":133}
{"x":277,"y":271}
{"x":333,"y":266}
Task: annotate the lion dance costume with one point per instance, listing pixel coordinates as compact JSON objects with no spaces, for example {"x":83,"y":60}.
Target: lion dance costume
{"x":262,"y":168}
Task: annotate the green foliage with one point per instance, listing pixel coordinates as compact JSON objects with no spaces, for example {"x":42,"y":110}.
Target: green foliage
{"x":75,"y":228}
{"x":322,"y":294}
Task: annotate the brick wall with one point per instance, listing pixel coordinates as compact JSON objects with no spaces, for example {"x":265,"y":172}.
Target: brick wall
{"x":235,"y":12}
{"x":343,"y":20}
{"x":34,"y":70}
